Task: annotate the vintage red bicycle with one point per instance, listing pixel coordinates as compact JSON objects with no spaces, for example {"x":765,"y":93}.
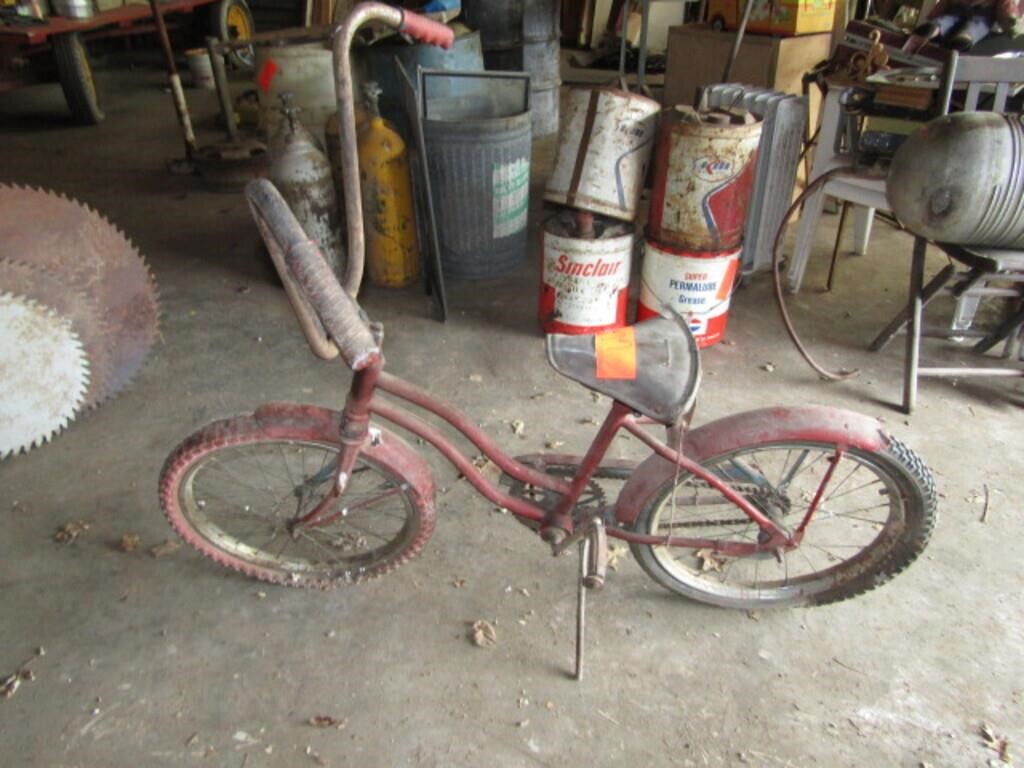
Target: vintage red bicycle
{"x":780,"y":506}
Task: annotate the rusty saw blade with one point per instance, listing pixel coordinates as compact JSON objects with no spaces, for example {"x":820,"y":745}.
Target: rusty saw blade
{"x":44,"y":373}
{"x":81,"y":247}
{"x":73,"y":305}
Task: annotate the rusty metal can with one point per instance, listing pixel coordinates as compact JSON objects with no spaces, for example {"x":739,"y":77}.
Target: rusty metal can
{"x":704,"y":169}
{"x":585,"y":274}
{"x":696,"y":285}
{"x":603,"y":151}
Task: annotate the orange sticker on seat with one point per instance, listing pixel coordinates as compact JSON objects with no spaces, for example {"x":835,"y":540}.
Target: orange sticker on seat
{"x":615,"y":352}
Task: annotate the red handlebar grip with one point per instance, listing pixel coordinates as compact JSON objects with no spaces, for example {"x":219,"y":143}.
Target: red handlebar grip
{"x":426,"y":30}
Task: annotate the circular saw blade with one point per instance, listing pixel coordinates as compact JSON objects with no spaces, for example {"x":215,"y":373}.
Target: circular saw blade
{"x":44,"y":373}
{"x":77,"y":244}
{"x":71,"y":304}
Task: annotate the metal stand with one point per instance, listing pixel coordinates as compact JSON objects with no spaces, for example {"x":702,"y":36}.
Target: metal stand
{"x":593,"y":541}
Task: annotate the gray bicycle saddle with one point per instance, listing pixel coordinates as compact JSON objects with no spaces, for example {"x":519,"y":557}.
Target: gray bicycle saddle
{"x":664,"y":376}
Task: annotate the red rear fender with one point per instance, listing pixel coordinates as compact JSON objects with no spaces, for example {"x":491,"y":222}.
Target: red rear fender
{"x":762,"y":427}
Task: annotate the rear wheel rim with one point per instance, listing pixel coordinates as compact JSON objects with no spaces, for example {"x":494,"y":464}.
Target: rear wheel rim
{"x":241,"y":499}
{"x":861,"y":516}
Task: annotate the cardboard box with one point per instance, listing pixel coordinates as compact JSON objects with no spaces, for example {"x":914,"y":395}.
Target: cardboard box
{"x":775,"y":17}
{"x":697,"y":56}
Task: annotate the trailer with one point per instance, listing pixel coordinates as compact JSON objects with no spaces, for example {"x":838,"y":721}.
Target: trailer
{"x":40,"y":50}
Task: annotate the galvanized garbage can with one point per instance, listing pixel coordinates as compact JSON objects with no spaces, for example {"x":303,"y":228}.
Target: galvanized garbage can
{"x":478,"y":156}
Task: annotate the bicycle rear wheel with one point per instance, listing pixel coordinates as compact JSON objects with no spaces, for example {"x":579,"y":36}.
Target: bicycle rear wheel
{"x":875,"y":517}
{"x":233,"y":489}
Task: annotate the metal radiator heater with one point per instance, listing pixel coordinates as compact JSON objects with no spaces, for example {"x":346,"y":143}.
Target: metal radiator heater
{"x":784,"y":119}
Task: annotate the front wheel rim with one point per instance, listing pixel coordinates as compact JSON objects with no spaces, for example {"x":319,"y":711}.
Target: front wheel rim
{"x":252,"y":522}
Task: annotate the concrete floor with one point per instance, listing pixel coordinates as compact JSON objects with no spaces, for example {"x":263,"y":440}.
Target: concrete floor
{"x":174,"y":661}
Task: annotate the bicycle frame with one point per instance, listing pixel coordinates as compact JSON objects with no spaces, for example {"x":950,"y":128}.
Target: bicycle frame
{"x":363,"y":402}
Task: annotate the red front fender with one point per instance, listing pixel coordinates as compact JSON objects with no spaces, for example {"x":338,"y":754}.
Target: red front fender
{"x":390,"y":450}
{"x":768,"y":425}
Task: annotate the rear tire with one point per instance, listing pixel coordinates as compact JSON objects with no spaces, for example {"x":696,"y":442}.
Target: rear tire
{"x":875,"y":518}
{"x":76,"y":79}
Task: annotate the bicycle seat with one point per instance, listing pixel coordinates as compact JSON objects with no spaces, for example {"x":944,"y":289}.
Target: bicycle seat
{"x":653,"y":367}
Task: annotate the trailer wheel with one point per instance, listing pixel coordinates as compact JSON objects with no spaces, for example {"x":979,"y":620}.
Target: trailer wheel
{"x":232,"y":20}
{"x":75,"y":74}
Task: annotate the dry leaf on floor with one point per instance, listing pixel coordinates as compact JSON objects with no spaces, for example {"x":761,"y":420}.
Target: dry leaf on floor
{"x":458,"y":583}
{"x":169,"y":547}
{"x":128,"y":543}
{"x":69,"y":532}
{"x":487,"y":467}
{"x":476,"y":378}
{"x":483,"y":634}
{"x":541,"y":395}
{"x":518,"y":427}
{"x":590,"y":420}
{"x":709,"y":561}
{"x":614,"y":555}
{"x":315,"y":756}
{"x":998,"y":744}
{"x":595,"y":396}
{"x":770,"y":367}
{"x":10,"y":684}
{"x":552,"y":445}
{"x":326,"y":721}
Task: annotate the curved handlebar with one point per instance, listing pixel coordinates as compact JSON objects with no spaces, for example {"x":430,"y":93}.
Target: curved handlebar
{"x":426,"y":30}
{"x":395,"y":18}
{"x":329,"y":317}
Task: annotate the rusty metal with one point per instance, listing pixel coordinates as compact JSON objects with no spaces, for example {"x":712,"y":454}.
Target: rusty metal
{"x":89,"y":253}
{"x":228,"y":166}
{"x":73,"y":305}
{"x":44,"y":373}
{"x":302,"y":174}
{"x":360,"y":15}
{"x":585,"y":272}
{"x":704,"y":168}
{"x":180,"y":105}
{"x":603,"y":151}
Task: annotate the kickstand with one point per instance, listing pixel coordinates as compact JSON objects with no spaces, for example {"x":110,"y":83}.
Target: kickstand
{"x":593,"y":566}
{"x":581,"y":607}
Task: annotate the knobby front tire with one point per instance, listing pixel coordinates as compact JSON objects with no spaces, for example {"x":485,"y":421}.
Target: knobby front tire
{"x":875,"y":518}
{"x":231,"y":489}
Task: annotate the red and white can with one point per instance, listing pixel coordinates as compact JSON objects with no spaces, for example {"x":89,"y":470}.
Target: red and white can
{"x":585,"y":273}
{"x":696,"y":285}
{"x":704,"y":167}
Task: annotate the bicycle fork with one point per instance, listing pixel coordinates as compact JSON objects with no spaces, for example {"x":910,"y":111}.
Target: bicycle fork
{"x":593,"y":550}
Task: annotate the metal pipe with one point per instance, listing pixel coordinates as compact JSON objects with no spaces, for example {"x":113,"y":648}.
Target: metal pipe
{"x":412,"y":394}
{"x":735,"y":52}
{"x":178,"y":93}
{"x":220,"y":79}
{"x":361,"y":14}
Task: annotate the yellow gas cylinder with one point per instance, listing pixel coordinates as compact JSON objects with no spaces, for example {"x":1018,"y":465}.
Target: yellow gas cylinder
{"x":392,"y":250}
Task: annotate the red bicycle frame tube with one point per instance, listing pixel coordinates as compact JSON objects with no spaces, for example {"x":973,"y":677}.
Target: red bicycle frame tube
{"x":363,"y":401}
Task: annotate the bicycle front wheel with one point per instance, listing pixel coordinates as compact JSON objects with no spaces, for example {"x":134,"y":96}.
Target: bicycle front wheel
{"x":875,"y":517}
{"x":234,"y":489}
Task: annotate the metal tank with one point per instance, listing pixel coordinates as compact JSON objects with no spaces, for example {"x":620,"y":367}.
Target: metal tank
{"x":392,"y":249}
{"x":960,"y":179}
{"x":540,"y":56}
{"x":697,"y":285}
{"x":500,"y":23}
{"x":302,"y":174}
{"x":585,"y":273}
{"x":379,"y":64}
{"x":478,"y":156}
{"x":307,"y":73}
{"x":603,"y":149}
{"x":704,"y":168}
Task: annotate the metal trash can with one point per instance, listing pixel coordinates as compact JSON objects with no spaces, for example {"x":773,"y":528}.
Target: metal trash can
{"x":478,"y":157}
